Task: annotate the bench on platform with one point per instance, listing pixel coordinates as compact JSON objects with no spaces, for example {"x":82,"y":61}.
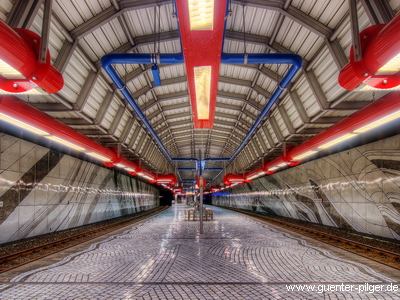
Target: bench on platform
{"x":209,"y":213}
{"x":191,"y":213}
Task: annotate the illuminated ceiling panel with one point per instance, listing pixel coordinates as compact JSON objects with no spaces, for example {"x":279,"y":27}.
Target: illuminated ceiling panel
{"x":202,"y":29}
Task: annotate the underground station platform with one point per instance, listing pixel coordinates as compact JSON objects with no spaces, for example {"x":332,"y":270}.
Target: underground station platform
{"x":236,"y":257}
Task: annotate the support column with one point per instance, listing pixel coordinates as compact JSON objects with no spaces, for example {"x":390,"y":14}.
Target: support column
{"x":201,"y":205}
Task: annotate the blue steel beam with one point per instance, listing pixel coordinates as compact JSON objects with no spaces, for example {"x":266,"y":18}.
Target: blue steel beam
{"x":228,"y":58}
{"x":155,"y":70}
{"x":137,"y":58}
{"x":265,"y":58}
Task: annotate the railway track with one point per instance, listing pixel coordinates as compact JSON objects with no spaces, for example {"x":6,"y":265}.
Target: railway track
{"x":383,"y":256}
{"x":30,"y":254}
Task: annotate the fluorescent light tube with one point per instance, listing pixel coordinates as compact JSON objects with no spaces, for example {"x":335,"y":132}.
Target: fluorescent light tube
{"x":22,"y":125}
{"x":379,"y":122}
{"x":391,"y":67}
{"x":144,"y":176}
{"x":338,"y":140}
{"x":304,"y":155}
{"x":367,"y":88}
{"x":64,"y":142}
{"x":36,"y":91}
{"x":98,"y":156}
{"x":257,"y":175}
{"x":9,"y":72}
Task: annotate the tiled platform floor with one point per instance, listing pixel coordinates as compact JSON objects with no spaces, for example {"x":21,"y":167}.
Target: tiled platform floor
{"x":166,"y":258}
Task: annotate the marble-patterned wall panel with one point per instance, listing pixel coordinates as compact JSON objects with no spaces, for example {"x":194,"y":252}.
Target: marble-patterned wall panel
{"x":357,"y":189}
{"x":16,"y":158}
{"x":26,"y":182}
{"x":53,"y":192}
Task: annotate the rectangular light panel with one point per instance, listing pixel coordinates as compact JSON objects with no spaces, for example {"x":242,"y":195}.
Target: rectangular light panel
{"x":201,"y":14}
{"x":202,"y":81}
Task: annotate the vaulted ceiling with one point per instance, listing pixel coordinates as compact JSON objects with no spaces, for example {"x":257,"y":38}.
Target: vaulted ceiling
{"x":83,"y":31}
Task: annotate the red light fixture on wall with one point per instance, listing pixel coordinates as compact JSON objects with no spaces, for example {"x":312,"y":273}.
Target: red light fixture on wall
{"x":166,"y":179}
{"x":178,"y":190}
{"x":201,"y":26}
{"x":23,"y":115}
{"x":20,"y":68}
{"x":380,"y":63}
{"x":201,"y":182}
{"x":378,"y":113}
{"x":233,"y":179}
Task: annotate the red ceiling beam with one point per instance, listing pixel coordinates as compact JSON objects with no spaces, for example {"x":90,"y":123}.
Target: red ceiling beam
{"x":202,"y":48}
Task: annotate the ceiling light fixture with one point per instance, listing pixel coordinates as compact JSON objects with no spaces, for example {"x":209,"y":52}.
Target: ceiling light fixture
{"x":103,"y":158}
{"x":256,"y":175}
{"x":337,"y":141}
{"x":367,"y":88}
{"x":391,"y":67}
{"x":9,"y":72}
{"x":64,"y":142}
{"x":13,"y":110}
{"x":201,"y":25}
{"x":301,"y":156}
{"x":141,"y":174}
{"x":379,"y":122}
{"x":380,"y":112}
{"x":34,"y":91}
{"x":20,"y":68}
{"x":201,"y":14}
{"x":21,"y":124}
{"x":380,"y":58}
{"x":202,"y":80}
